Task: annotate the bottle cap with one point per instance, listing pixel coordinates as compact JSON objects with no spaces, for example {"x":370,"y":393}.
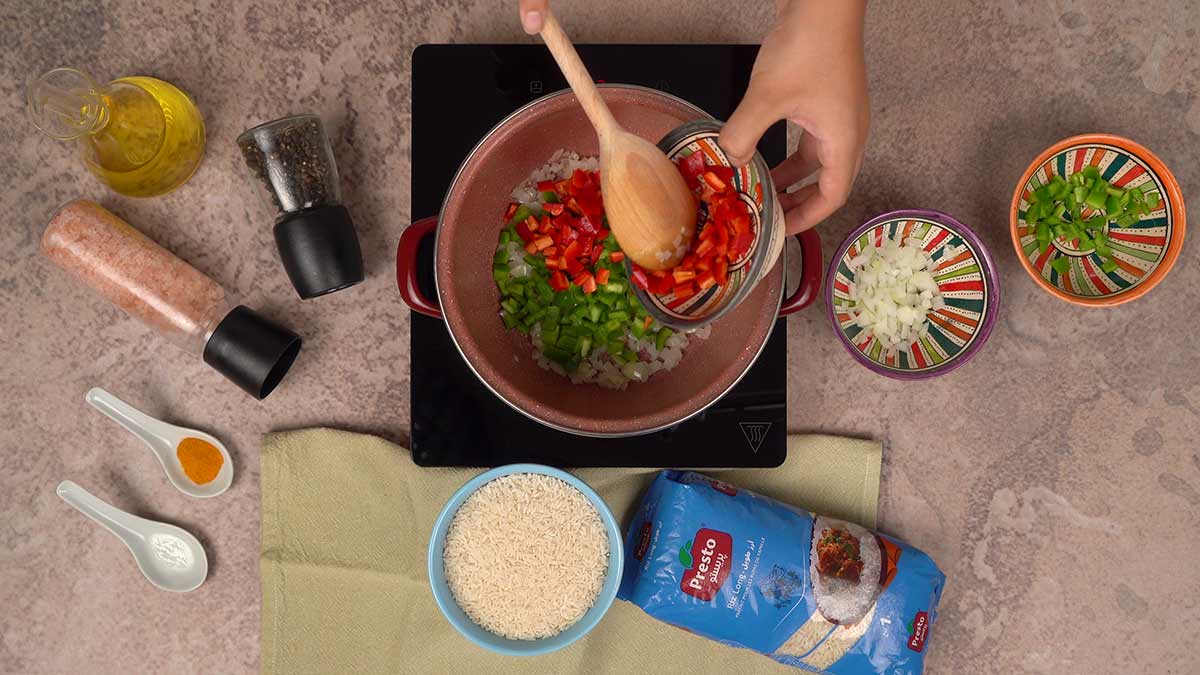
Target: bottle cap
{"x":319,"y":249}
{"x":251,"y":351}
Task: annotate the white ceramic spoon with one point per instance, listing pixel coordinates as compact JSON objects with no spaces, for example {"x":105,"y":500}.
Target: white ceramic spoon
{"x":163,"y":439}
{"x":171,"y":558}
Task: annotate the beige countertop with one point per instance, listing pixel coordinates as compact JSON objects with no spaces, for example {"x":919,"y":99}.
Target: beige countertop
{"x":1056,"y":478}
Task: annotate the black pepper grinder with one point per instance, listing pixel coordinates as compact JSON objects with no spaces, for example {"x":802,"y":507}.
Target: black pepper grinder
{"x":292,"y":163}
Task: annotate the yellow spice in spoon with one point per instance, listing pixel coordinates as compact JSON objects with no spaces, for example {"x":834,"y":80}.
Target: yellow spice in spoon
{"x":201,"y":460}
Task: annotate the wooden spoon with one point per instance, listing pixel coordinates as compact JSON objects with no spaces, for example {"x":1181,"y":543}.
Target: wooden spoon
{"x":648,"y":204}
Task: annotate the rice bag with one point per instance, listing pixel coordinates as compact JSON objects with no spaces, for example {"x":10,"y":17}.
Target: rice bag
{"x":812,"y":592}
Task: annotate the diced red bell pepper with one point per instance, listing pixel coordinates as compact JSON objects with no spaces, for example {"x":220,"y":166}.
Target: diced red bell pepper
{"x":563,"y":220}
{"x":579,"y":178}
{"x":684,"y":291}
{"x":585,"y":247}
{"x":532,"y":224}
{"x":639,"y":279}
{"x":586,"y":281}
{"x":719,"y":210}
{"x":531,"y":248}
{"x":587,"y":226}
{"x":524,"y":232}
{"x":660,"y":273}
{"x":574,"y":267}
{"x":554,"y":208}
{"x":661,"y":285}
{"x":681,"y":275}
{"x":741,"y":244}
{"x":647,"y":322}
{"x":563,"y":186}
{"x":544,"y":242}
{"x":714,"y":182}
{"x":688,"y":262}
{"x":601,"y":234}
{"x":573,"y":250}
{"x":590,"y":203}
{"x":597,"y":250}
{"x":705,"y":248}
{"x":616,"y":256}
{"x":721,"y":271}
{"x":706,"y":281}
{"x":551,"y":263}
{"x":510,"y":211}
{"x":741,"y":223}
{"x":545,"y":186}
{"x":558,"y":281}
{"x":721,"y":239}
{"x":693,"y":165}
{"x":550,"y":251}
{"x":602,"y":275}
{"x":724,"y":173}
{"x":573,"y":206}
{"x":703,"y":265}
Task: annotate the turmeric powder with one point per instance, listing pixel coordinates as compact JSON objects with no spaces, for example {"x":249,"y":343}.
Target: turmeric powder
{"x":201,"y":460}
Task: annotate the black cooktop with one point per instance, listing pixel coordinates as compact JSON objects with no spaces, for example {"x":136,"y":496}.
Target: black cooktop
{"x":459,"y":92}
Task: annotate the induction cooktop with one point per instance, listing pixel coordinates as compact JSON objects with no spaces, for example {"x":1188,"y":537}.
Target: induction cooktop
{"x":459,"y":92}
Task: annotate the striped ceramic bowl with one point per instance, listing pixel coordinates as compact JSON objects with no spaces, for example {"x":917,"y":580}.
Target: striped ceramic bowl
{"x":965,"y":277}
{"x":755,"y":188}
{"x":1144,"y":252}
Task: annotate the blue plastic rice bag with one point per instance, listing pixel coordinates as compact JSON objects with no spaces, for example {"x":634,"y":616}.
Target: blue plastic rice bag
{"x":813,"y":592}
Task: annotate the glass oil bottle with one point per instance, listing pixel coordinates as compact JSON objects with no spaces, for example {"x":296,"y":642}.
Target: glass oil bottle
{"x":140,"y":135}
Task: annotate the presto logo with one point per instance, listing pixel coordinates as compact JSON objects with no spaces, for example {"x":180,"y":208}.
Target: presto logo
{"x":706,"y":563}
{"x":918,"y":628}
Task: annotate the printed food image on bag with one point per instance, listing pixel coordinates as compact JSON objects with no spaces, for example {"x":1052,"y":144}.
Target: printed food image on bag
{"x":809,"y":591}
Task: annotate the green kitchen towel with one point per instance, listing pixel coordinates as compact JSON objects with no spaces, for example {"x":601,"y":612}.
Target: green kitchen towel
{"x":345,"y":525}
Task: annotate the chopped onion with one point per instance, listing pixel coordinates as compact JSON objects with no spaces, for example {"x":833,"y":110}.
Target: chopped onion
{"x":893,"y":292}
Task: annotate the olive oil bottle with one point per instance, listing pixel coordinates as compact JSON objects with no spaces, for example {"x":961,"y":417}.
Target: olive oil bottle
{"x":140,"y":135}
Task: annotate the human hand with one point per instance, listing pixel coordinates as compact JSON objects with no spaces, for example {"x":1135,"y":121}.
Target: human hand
{"x":811,"y":71}
{"x":532,"y":14}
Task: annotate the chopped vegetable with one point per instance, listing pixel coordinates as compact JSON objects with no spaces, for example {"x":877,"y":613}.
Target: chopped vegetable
{"x":570,"y":287}
{"x":893,"y":291}
{"x":725,"y":238}
{"x":1056,"y":210}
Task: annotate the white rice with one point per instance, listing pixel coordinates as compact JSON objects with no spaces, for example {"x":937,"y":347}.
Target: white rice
{"x":599,"y":368}
{"x":526,"y":556}
{"x":842,"y":600}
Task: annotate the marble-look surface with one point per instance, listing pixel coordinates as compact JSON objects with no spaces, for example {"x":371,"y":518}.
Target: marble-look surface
{"x":1058,"y":485}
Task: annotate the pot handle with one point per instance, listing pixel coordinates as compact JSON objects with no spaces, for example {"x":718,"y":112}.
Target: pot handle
{"x":810,"y":275}
{"x":406,"y":267}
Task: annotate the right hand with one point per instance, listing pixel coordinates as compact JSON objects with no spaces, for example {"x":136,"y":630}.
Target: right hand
{"x":532,"y":14}
{"x":811,"y":71}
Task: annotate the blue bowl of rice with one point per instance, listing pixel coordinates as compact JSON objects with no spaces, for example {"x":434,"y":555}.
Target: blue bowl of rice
{"x":525,"y":559}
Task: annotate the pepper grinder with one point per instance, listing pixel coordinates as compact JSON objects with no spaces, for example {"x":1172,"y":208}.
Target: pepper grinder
{"x":292,"y":165}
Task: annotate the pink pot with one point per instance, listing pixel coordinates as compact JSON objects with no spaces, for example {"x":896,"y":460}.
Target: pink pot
{"x":468,"y":300}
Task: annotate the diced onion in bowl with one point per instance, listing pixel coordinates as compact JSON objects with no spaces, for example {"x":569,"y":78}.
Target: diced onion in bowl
{"x":893,"y":291}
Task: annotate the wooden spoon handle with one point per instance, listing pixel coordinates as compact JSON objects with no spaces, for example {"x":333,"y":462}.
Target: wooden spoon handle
{"x":577,"y":76}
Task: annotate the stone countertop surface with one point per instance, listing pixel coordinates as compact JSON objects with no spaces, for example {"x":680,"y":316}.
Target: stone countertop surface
{"x":1056,"y":478}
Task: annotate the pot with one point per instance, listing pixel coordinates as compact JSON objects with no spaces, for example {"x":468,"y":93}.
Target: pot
{"x":468,"y":300}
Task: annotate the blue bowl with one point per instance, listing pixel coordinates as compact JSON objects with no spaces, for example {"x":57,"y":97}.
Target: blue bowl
{"x":481,"y":636}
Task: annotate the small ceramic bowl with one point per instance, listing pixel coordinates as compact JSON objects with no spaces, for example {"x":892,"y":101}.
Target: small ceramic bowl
{"x":481,"y":636}
{"x":755,"y":187}
{"x":965,"y":277}
{"x":1144,"y":251}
